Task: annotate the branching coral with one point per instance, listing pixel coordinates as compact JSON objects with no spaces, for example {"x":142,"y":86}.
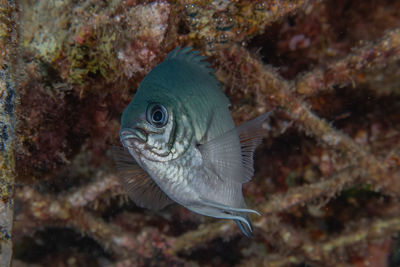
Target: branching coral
{"x":327,"y":179}
{"x":350,"y":69}
{"x":278,"y":91}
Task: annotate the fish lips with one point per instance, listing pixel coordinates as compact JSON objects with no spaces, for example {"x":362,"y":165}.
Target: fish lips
{"x":130,"y":136}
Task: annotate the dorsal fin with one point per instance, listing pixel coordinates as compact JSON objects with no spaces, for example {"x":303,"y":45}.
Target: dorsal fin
{"x":139,"y":186}
{"x":190,"y":56}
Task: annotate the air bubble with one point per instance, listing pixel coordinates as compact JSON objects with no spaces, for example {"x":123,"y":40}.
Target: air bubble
{"x":221,"y":4}
{"x":260,"y":6}
{"x":224,"y":22}
{"x":210,"y":46}
{"x":193,"y":21}
{"x":223,"y":38}
{"x":191,"y":10}
{"x":210,"y":39}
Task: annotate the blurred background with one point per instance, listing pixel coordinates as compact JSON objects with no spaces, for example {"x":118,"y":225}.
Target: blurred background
{"x":327,"y":176}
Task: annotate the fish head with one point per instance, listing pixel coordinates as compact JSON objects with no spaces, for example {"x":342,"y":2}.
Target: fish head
{"x":173,"y":107}
{"x":154,"y":127}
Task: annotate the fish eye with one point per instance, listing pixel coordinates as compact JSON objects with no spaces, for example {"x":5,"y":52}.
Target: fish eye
{"x":157,"y":115}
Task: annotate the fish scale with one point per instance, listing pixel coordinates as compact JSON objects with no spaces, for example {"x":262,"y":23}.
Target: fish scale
{"x":175,"y":176}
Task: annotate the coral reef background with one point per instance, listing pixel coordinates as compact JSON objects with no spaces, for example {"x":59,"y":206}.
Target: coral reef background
{"x":327,"y":178}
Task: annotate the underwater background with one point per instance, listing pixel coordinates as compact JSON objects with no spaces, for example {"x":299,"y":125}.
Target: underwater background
{"x":327,"y":176}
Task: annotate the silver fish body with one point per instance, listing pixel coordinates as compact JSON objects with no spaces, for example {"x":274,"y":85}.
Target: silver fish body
{"x":179,"y":130}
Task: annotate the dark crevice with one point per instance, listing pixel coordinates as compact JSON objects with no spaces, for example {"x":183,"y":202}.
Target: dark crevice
{"x":52,"y":243}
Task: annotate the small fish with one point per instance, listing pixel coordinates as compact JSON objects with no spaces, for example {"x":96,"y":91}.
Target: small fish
{"x":179,"y":130}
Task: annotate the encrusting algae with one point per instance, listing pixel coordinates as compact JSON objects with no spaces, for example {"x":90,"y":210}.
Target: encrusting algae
{"x":8,"y":100}
{"x":326,"y":179}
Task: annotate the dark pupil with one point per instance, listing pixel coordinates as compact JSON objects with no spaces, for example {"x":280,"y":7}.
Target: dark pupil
{"x":157,"y":116}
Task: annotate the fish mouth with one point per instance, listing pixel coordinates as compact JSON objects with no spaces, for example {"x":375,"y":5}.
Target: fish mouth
{"x":128,"y":136}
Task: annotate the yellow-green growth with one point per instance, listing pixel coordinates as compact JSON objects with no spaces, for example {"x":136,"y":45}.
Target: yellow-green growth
{"x":93,"y":56}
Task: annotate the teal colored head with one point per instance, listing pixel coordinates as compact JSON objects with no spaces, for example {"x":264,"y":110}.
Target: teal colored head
{"x":172,"y":107}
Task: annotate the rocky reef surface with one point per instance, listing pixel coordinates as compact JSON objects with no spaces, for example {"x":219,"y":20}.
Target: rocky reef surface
{"x":327,"y":179}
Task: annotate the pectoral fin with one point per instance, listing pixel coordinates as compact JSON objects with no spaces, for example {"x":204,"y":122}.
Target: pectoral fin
{"x":229,"y":160}
{"x":139,"y":186}
{"x":251,"y":134}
